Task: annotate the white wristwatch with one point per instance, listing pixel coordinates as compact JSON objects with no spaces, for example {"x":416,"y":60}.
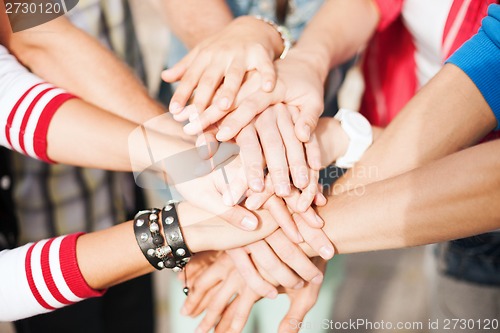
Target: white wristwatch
{"x":360,"y":134}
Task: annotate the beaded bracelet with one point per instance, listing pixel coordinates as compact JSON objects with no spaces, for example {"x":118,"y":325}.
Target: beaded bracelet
{"x":285,"y":34}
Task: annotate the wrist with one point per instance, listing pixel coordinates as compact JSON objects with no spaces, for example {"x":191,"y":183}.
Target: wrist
{"x":271,"y":39}
{"x":313,"y":60}
{"x":333,"y":140}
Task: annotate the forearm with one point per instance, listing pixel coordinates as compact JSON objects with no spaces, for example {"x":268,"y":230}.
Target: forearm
{"x":192,"y":23}
{"x":338,"y":31}
{"x":69,"y":61}
{"x":438,"y":121}
{"x":452,"y":198}
{"x":81,"y":134}
{"x":202,"y":232}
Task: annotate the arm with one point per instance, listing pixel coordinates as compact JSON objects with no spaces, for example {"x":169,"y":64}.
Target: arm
{"x":192,"y":25}
{"x":337,"y":32}
{"x":82,"y":265}
{"x":452,"y":198}
{"x":69,"y":61}
{"x":457,"y":189}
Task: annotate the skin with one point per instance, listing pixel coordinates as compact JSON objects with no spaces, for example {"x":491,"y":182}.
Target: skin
{"x":124,"y":259}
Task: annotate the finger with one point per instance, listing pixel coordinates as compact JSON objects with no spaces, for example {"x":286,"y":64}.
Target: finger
{"x":313,"y":153}
{"x":316,"y":238}
{"x":256,"y":200}
{"x":308,"y":118}
{"x":174,"y":74}
{"x":243,"y":115}
{"x":250,"y":274}
{"x":309,"y":216}
{"x":266,"y":69}
{"x":179,"y":69}
{"x":208,"y":84}
{"x":185,"y":113}
{"x":274,"y":151}
{"x":293,"y":256}
{"x":205,"y":301}
{"x":294,"y":149}
{"x":207,"y":144}
{"x":264,"y":257}
{"x":209,"y":117}
{"x":238,"y":316}
{"x":299,"y":307}
{"x":309,"y":193}
{"x":232,"y":83}
{"x":279,"y":211}
{"x":188,"y":83}
{"x":225,"y":152}
{"x":235,"y":191}
{"x":251,"y":156}
{"x":320,"y":199}
{"x":220,"y":301}
{"x":214,"y":274}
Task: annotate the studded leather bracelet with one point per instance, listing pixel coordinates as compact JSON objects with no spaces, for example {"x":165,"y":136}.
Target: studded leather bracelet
{"x":149,"y":238}
{"x":180,"y":253}
{"x":169,"y":252}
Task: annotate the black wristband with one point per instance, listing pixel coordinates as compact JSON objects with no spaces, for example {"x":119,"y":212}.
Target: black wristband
{"x":148,"y":237}
{"x":174,"y":238}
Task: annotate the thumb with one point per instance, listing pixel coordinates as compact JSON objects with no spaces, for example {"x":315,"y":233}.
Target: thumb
{"x":308,"y":119}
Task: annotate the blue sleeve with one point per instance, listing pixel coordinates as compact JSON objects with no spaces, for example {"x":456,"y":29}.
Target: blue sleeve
{"x":479,"y":58}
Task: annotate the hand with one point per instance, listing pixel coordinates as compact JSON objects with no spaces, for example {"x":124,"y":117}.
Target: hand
{"x":244,"y":45}
{"x":221,"y":291}
{"x":203,"y":231}
{"x":272,"y":134}
{"x":279,"y":259}
{"x":299,"y":84}
{"x":215,"y":193}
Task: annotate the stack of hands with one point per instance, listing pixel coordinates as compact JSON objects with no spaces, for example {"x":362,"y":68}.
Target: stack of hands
{"x":231,"y":89}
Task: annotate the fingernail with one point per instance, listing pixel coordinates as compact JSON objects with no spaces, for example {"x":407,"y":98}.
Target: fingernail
{"x":201,"y":141}
{"x":175,"y":107}
{"x":318,"y":279}
{"x":257,"y":185}
{"x":307,"y":132}
{"x":224,"y":103}
{"x":272,"y":294}
{"x":299,"y":285}
{"x":326,"y":252}
{"x":192,"y":128}
{"x":249,"y":223}
{"x":268,"y":86}
{"x":224,"y":134}
{"x":251,"y":204}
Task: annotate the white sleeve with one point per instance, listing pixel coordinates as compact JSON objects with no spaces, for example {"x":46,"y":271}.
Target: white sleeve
{"x":41,"y":277}
{"x":27,"y":105}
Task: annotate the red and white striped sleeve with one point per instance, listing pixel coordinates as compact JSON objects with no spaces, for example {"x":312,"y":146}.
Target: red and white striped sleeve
{"x":41,"y":277}
{"x":27,"y":105}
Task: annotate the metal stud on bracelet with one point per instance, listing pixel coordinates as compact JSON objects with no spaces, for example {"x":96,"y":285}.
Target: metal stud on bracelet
{"x":147,"y":238}
{"x":174,"y":237}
